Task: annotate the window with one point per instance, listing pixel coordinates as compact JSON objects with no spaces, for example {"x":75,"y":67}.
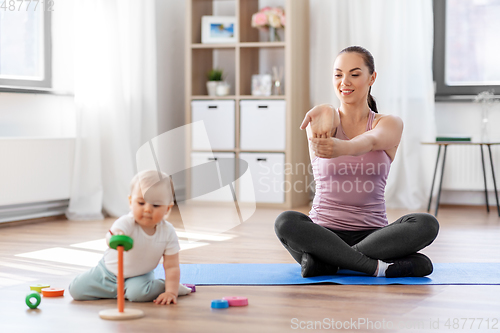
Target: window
{"x":466,"y":46}
{"x":25,"y":49}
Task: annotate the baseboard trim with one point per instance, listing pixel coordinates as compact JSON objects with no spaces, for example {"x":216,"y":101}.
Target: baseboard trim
{"x":35,"y":210}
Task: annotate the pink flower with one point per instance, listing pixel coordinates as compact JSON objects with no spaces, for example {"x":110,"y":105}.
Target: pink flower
{"x":259,"y":20}
{"x":269,"y":17}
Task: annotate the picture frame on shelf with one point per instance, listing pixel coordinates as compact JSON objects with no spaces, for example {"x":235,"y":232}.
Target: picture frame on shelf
{"x":219,"y":29}
{"x":261,"y":85}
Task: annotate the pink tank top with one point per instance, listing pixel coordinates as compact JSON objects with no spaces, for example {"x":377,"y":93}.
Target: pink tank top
{"x":350,"y":189}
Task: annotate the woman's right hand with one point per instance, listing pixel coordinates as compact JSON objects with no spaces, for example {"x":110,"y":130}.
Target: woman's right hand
{"x":322,"y":120}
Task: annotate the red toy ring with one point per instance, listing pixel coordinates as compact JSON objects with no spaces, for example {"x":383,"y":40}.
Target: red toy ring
{"x":236,"y":301}
{"x":52,"y":292}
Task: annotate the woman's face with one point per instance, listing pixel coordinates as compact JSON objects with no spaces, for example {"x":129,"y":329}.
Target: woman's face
{"x":352,"y":78}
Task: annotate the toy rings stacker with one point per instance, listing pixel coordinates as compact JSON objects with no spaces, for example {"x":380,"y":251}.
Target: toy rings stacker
{"x":120,"y":243}
{"x":36,"y":296}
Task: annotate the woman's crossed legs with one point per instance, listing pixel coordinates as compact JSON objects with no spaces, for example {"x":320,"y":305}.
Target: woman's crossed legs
{"x":354,"y":250}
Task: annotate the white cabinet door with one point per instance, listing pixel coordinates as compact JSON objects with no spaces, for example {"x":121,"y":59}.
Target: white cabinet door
{"x":218,"y":117}
{"x":262,"y":125}
{"x":268,"y":177}
{"x":206,"y":179}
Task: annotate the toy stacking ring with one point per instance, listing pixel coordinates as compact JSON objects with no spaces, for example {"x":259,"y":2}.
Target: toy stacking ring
{"x":30,"y":296}
{"x":190,"y":286}
{"x":219,"y":304}
{"x":236,"y":301}
{"x":52,"y":292}
{"x":121,"y":240}
{"x":38,"y":287}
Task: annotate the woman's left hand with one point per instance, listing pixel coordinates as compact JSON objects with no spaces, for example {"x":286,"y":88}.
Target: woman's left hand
{"x":327,"y":148}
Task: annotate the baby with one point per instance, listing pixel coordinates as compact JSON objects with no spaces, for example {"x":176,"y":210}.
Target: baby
{"x":151,"y":200}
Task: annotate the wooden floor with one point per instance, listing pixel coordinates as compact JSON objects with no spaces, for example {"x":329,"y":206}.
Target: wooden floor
{"x":466,"y":235}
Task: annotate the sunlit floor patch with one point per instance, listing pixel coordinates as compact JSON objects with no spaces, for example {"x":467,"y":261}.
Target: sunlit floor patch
{"x":66,"y":256}
{"x":203,"y":236}
{"x":98,"y":245}
{"x":32,"y":267}
{"x":185,"y":245}
{"x":13,"y":279}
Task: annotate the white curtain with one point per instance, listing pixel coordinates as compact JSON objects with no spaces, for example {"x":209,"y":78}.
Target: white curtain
{"x":399,"y":34}
{"x":116,"y":102}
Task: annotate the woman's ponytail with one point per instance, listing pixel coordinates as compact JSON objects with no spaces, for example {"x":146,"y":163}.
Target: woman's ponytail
{"x":371,"y":101}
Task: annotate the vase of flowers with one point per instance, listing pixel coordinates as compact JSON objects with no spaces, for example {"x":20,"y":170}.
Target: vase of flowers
{"x":487,"y":100}
{"x":270,"y":19}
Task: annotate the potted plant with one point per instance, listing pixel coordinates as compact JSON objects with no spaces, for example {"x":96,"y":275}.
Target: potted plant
{"x":214,"y":77}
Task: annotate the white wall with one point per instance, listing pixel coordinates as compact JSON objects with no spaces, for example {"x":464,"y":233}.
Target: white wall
{"x":36,"y":135}
{"x":36,"y":115}
{"x":170,"y":24}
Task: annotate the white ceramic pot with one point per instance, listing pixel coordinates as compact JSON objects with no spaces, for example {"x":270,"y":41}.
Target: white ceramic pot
{"x":212,"y":87}
{"x":222,"y":89}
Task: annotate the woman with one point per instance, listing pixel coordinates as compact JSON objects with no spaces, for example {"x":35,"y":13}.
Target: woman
{"x":351,"y":150}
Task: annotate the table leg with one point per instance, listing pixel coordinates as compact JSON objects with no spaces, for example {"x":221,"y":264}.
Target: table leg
{"x":433,"y":179}
{"x":484,"y":176}
{"x":494,"y":180}
{"x":441,"y":180}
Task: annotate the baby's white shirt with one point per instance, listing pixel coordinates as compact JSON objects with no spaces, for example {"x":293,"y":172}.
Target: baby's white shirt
{"x":147,"y":250}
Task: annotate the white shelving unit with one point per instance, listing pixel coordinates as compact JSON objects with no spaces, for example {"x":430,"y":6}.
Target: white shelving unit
{"x":242,"y":59}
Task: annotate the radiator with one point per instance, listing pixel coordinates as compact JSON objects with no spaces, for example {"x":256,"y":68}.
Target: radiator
{"x":35,"y":177}
{"x":463,"y":169}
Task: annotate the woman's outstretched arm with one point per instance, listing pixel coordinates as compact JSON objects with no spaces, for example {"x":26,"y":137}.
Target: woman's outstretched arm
{"x":322,"y":120}
{"x":385,"y":135}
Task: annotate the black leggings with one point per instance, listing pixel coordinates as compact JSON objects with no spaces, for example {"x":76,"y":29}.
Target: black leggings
{"x":355,"y":250}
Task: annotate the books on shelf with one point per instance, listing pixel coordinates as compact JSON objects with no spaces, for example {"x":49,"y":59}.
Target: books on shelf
{"x":453,"y":138}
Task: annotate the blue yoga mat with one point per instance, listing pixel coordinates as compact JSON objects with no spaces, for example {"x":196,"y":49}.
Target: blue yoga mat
{"x":285,"y":274}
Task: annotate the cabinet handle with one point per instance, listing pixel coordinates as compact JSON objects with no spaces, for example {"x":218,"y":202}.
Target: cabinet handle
{"x":262,"y":160}
{"x":212,"y":106}
{"x":262,"y":106}
{"x":212,"y":158}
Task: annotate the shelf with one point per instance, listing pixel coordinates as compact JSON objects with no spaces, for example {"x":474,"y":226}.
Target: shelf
{"x":263,"y":44}
{"x":234,"y":45}
{"x":259,"y":60}
{"x":278,"y":97}
{"x":252,"y":54}
{"x":237,"y":150}
{"x":213,"y":46}
{"x":198,"y":97}
{"x":261,"y":151}
{"x":213,"y":151}
{"x":205,"y":59}
{"x":236,"y":97}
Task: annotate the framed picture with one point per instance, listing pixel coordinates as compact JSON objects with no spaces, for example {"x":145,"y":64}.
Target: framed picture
{"x":261,"y":85}
{"x":218,"y":29}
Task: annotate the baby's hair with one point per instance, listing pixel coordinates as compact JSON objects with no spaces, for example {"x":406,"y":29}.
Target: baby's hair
{"x":149,"y":178}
